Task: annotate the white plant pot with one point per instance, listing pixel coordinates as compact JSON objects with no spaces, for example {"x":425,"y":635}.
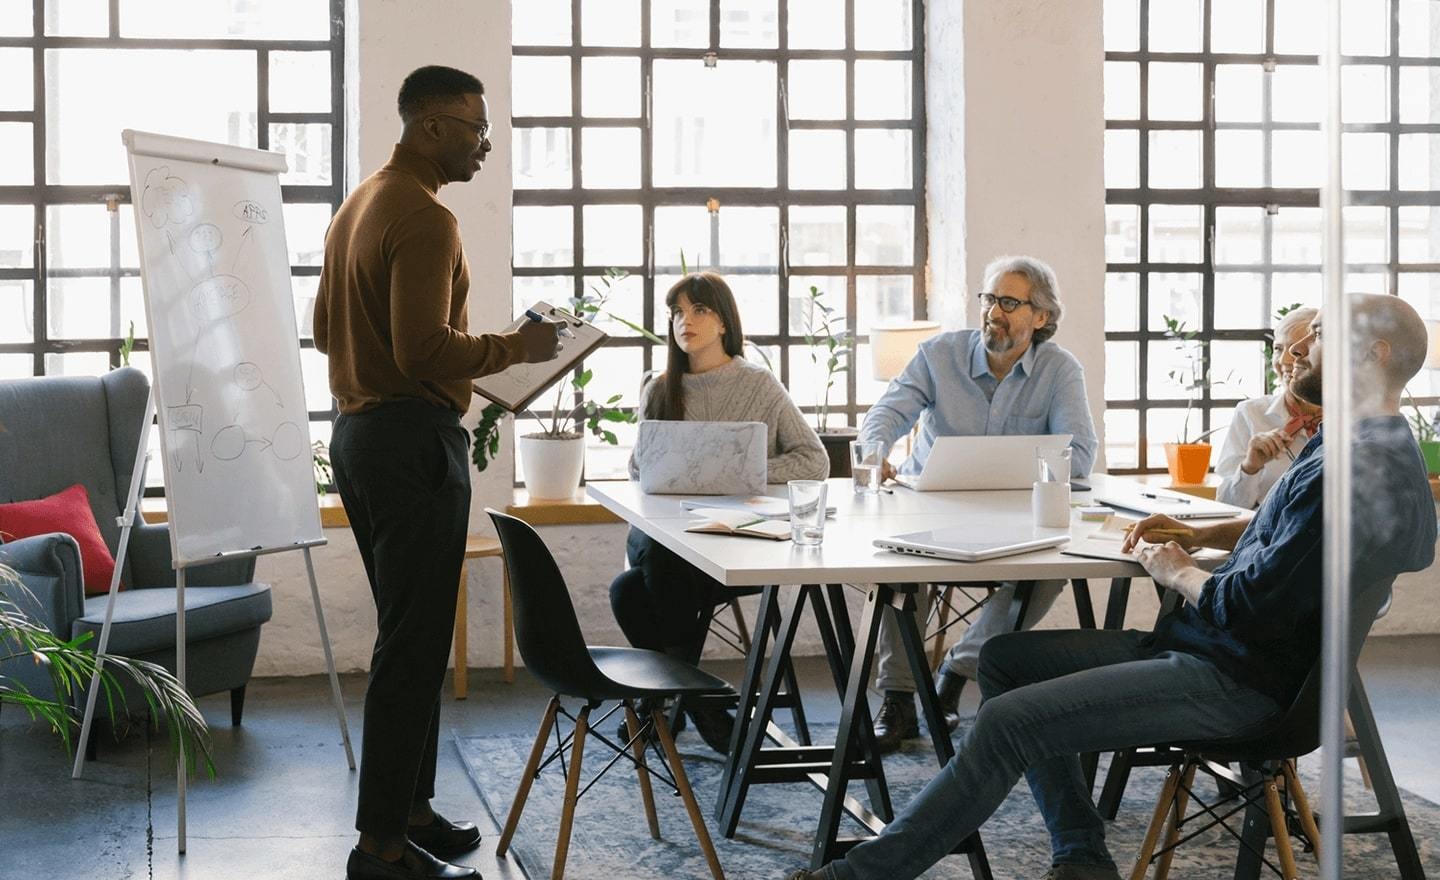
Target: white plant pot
{"x":552,"y":465}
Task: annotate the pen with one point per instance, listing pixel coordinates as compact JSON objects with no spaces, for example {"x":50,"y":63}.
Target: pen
{"x":540,"y":319}
{"x":1168,"y":533}
{"x":1165,"y":498}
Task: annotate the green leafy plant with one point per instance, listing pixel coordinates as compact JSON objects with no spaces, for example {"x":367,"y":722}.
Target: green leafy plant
{"x":1272,"y":379}
{"x":324,"y":471}
{"x":71,"y":666}
{"x":127,"y":346}
{"x":586,"y":415}
{"x":1424,"y":428}
{"x":829,"y":341}
{"x":1194,"y":376}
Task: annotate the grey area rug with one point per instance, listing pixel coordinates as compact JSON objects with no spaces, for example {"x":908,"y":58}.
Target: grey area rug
{"x":610,"y":839}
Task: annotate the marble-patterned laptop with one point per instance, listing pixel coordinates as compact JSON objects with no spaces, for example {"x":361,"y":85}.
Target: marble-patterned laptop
{"x":701,"y":458}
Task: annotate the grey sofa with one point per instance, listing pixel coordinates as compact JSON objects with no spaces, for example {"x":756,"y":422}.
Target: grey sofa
{"x":62,"y":430}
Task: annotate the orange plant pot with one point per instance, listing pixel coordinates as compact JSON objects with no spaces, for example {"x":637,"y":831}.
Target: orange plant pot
{"x":1188,"y":462}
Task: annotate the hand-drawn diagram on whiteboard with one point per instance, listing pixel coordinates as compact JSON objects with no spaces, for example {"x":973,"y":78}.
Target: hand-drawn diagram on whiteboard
{"x":218,"y":295}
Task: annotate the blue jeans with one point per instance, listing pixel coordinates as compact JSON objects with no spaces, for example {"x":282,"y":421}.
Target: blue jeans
{"x":1048,"y":696}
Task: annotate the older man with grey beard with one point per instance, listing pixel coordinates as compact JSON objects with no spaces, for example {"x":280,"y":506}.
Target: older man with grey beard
{"x":1006,"y":378}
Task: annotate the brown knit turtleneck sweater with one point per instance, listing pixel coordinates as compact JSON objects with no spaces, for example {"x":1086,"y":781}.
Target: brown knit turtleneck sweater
{"x":391,"y":308}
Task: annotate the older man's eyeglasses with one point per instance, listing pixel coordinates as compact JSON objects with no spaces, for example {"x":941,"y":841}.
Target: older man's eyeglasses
{"x":481,"y":129}
{"x":1008,"y":304}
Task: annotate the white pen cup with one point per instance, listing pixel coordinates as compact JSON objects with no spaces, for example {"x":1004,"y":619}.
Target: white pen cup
{"x":807,"y":511}
{"x":1050,"y":495}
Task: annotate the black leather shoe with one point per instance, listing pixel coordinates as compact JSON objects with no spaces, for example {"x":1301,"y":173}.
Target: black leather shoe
{"x":444,"y":838}
{"x":415,"y":864}
{"x":642,"y":712}
{"x":715,"y":727}
{"x":895,"y":721}
{"x":947,"y":689}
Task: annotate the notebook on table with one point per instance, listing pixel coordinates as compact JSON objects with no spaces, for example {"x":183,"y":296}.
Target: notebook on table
{"x":722,"y":521}
{"x":1177,"y":505}
{"x":702,"y":458}
{"x":970,"y":544}
{"x":982,"y":462}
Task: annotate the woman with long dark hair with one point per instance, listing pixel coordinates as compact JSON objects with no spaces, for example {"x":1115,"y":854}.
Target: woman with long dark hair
{"x":662,"y":601}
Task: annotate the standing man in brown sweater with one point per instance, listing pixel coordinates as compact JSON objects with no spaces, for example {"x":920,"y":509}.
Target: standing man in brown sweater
{"x":391,"y":315}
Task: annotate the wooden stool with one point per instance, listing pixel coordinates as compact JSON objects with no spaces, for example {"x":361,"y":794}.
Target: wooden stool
{"x":480,"y":547}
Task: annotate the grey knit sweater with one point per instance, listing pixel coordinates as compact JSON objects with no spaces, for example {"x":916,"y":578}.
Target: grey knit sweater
{"x":744,"y":392}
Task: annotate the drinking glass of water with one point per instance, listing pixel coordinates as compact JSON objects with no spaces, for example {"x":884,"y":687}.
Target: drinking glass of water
{"x":866,"y":460}
{"x":807,"y":511}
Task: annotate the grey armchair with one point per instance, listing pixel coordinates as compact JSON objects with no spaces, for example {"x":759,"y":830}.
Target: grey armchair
{"x":58,"y":431}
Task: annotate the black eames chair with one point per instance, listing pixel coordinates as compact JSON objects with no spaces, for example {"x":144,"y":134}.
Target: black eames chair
{"x":1264,"y":786}
{"x":554,"y":650}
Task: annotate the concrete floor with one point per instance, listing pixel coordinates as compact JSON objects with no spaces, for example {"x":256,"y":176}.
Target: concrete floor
{"x":282,"y":804}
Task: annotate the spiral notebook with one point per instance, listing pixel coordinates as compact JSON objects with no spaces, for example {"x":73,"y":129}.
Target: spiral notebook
{"x":515,"y":387}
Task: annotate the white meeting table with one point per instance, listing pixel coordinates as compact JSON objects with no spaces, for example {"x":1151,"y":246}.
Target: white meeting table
{"x":847,"y":556}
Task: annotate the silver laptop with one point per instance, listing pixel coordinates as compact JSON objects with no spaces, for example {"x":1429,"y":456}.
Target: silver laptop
{"x":970,"y":544}
{"x":982,"y":462}
{"x":701,"y":458}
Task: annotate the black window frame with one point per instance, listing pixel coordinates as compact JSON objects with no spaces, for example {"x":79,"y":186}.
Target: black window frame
{"x":41,"y":195}
{"x":1270,"y":199}
{"x":846,"y":412}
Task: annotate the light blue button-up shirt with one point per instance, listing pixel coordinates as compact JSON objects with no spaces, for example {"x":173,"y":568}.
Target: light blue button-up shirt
{"x":949,"y":382}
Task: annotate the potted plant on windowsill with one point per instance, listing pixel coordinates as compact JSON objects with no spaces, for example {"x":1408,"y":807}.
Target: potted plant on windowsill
{"x":552,"y":460}
{"x":830,"y":342}
{"x":1188,"y":460}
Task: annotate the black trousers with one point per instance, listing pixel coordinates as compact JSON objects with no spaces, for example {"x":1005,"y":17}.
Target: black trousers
{"x":662,"y":602}
{"x":402,"y":469}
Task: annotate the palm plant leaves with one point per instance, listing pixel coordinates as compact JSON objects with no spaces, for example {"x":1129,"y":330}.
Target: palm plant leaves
{"x":71,"y":666}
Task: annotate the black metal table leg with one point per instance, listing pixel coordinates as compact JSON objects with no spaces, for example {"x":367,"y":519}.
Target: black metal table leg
{"x":754,"y":663}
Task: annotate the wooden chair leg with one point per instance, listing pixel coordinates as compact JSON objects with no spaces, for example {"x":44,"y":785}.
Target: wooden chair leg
{"x":1177,"y":815}
{"x":741,"y":630}
{"x":572,"y":794}
{"x":1280,"y":831}
{"x":1351,"y":736}
{"x":1302,"y":806}
{"x":667,"y":742}
{"x":940,"y":600}
{"x":1157,"y":821}
{"x":532,"y":765}
{"x":632,"y":723}
{"x":461,"y":682}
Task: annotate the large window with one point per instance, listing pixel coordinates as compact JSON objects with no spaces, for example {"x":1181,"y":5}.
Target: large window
{"x":1213,"y":163}
{"x":778,"y":143}
{"x":256,"y":73}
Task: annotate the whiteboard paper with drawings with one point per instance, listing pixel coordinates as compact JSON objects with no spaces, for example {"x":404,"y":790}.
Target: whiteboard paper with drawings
{"x":515,"y":387}
{"x":234,"y":424}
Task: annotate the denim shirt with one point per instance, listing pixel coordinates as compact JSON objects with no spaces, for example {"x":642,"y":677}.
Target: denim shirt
{"x":1258,"y":615}
{"x":949,"y":382}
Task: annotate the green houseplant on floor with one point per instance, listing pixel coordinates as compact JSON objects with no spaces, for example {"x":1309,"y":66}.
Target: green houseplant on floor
{"x":71,"y":664}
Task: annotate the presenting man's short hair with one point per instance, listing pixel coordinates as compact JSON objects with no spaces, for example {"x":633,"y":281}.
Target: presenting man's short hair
{"x":1044,"y":288}
{"x":1376,"y":316}
{"x":428,"y":87}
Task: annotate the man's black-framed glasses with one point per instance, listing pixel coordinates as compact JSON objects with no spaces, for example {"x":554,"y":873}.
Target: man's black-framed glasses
{"x":1008,"y":304}
{"x":481,"y":129}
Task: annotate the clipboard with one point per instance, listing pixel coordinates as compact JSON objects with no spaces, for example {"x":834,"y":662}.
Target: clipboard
{"x":515,"y":387}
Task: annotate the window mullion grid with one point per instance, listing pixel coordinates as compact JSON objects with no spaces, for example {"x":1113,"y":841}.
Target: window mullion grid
{"x":40,"y":336}
{"x":577,"y":214}
{"x":852,"y":197}
{"x":1207,"y":241}
{"x":1142,"y":411}
{"x":782,"y":172}
{"x":1392,"y":148}
{"x":647,"y":182}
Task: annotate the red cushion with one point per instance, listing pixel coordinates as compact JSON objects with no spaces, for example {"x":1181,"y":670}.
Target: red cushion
{"x":68,"y":512}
